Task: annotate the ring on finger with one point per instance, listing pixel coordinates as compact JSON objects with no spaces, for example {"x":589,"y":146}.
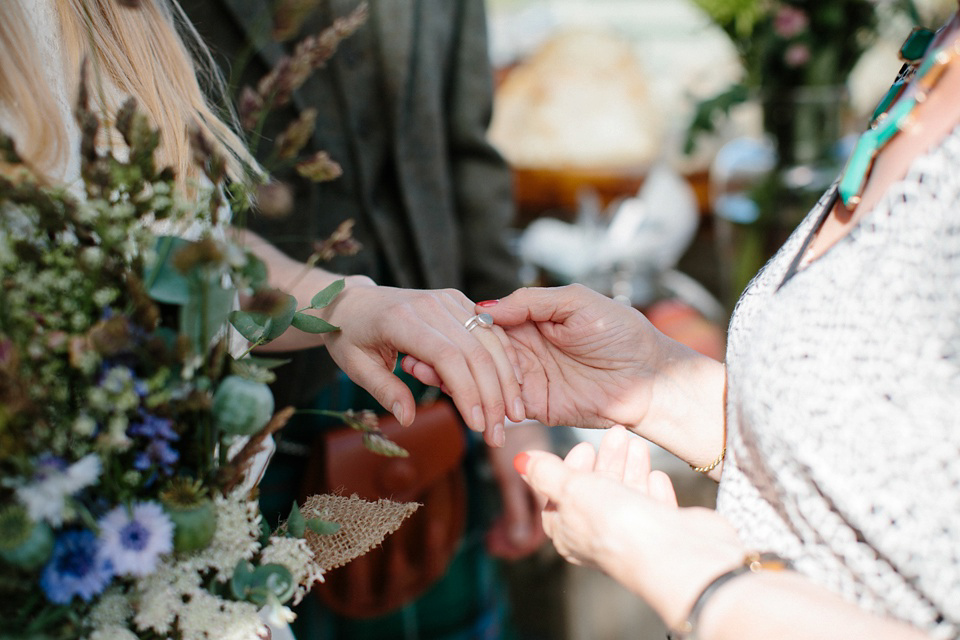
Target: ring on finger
{"x":484,"y":320}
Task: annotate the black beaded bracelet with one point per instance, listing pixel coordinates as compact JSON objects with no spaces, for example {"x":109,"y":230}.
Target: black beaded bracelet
{"x":752,"y":563}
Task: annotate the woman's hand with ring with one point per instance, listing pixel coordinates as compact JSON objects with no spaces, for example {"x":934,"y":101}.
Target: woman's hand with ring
{"x":477,"y":368}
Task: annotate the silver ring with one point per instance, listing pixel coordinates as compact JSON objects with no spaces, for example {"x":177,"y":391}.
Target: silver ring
{"x":484,"y":320}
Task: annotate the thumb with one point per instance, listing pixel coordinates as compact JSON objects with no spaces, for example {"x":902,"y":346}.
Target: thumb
{"x":544,"y":472}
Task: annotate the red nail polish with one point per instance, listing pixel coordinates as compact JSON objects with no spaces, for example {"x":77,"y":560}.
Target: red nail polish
{"x":487,"y":303}
{"x":520,"y":462}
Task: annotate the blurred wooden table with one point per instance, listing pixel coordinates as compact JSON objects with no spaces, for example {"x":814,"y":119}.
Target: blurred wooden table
{"x":555,"y":192}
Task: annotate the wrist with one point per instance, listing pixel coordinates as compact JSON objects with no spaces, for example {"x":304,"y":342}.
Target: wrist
{"x":712,"y":598}
{"x":341,"y":304}
{"x":686,"y":413}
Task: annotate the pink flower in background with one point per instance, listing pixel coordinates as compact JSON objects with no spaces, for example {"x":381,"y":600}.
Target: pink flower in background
{"x":790,"y":22}
{"x":796,"y":55}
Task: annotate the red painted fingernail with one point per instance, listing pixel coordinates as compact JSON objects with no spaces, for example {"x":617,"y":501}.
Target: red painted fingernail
{"x":520,"y":462}
{"x":487,"y":303}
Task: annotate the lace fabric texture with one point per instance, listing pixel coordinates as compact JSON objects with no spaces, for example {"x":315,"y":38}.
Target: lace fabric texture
{"x":843,"y":414}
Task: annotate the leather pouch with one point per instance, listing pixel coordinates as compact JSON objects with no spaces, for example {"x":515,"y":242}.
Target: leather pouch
{"x":415,"y":556}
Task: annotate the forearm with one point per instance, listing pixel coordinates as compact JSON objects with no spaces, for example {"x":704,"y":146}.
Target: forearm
{"x":687,"y":410}
{"x":670,"y":557}
{"x":297,"y":279}
{"x":787,"y":606}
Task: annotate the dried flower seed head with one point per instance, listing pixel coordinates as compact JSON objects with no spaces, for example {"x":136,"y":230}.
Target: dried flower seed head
{"x":290,"y":72}
{"x":294,"y":137}
{"x":381,"y":445}
{"x":319,"y":168}
{"x":8,"y":150}
{"x":184,"y":492}
{"x":205,"y":251}
{"x":111,"y":337}
{"x":274,"y":200}
{"x":214,"y":165}
{"x":249,"y":107}
{"x":364,"y":420}
{"x":145,"y":312}
{"x":124,"y":119}
{"x":268,"y":301}
{"x":340,"y":243}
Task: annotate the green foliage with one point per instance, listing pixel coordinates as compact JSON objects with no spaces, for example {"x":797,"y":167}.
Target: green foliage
{"x":785,"y":44}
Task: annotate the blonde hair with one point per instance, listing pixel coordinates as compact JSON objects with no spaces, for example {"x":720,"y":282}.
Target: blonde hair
{"x":141,"y":52}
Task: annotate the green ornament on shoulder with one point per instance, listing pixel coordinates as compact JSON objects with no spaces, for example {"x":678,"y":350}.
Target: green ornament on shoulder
{"x":23,"y":542}
{"x":242,"y":407}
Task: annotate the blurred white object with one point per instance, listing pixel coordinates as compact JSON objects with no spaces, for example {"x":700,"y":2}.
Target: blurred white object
{"x":738,"y":167}
{"x":645,"y":237}
{"x":277,"y":622}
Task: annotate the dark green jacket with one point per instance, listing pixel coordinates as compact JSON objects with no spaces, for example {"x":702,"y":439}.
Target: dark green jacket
{"x":431,"y":198}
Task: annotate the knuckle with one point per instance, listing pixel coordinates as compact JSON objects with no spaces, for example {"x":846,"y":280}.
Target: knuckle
{"x":447,"y":353}
{"x":480,"y":356}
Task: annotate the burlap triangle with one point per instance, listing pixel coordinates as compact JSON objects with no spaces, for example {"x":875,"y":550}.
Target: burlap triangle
{"x":363,"y":525}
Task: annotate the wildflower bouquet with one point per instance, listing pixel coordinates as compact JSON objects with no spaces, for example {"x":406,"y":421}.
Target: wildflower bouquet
{"x":134,"y":425}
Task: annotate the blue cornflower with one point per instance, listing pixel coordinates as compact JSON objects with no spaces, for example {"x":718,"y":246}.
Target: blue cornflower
{"x":135,"y":538}
{"x":158,"y":452}
{"x":76,"y":568}
{"x":151,"y":426}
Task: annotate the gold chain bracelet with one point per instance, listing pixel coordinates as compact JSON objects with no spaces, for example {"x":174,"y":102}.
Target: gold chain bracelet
{"x":713,"y":465}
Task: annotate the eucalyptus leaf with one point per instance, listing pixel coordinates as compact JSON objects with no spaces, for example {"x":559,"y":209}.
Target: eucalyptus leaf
{"x":312,"y":324}
{"x":164,"y":282}
{"x":260,"y":326}
{"x":242,"y":580}
{"x":251,"y":325}
{"x":273,"y":579}
{"x":282,"y":318}
{"x":255,"y":271}
{"x":323,"y":527}
{"x":326,"y":296}
{"x":296,"y":525}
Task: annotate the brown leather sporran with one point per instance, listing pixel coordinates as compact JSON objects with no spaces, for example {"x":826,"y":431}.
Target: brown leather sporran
{"x":415,"y":556}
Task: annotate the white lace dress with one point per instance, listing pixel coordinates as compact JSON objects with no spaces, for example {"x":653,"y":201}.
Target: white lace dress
{"x":843,"y":412}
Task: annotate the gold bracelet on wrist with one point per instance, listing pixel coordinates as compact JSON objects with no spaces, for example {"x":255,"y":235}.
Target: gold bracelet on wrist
{"x":752,"y":563}
{"x":713,"y":465}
